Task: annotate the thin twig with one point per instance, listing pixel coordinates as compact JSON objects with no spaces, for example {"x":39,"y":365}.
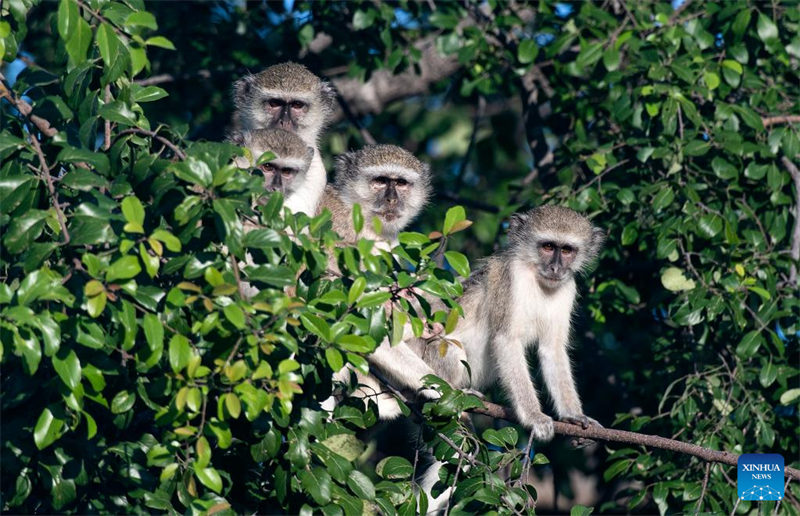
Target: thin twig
{"x":62,"y":220}
{"x":622,"y":436}
{"x":678,"y":11}
{"x":462,"y":168}
{"x":107,"y":128}
{"x":785,"y":491}
{"x":703,"y":490}
{"x":99,"y":17}
{"x":353,"y":119}
{"x":26,"y":109}
{"x":135,"y":130}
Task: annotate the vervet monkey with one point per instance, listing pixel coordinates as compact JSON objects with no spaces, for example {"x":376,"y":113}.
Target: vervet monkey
{"x":521,"y":297}
{"x":391,"y":184}
{"x":288,"y":171}
{"x":387,"y":182}
{"x":288,"y":96}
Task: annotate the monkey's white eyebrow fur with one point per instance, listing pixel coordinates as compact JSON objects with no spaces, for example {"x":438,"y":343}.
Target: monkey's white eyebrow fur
{"x":392,"y":170}
{"x":281,"y":94}
{"x":572,"y":240}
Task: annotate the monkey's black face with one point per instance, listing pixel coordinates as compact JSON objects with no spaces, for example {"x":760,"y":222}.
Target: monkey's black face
{"x":286,"y":113}
{"x":390,"y":194}
{"x":555,"y":261}
{"x":278,"y":178}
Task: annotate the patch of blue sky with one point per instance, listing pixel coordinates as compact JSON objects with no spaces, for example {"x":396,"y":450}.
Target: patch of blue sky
{"x":404,"y":20}
{"x":13,"y":69}
{"x":563,"y":10}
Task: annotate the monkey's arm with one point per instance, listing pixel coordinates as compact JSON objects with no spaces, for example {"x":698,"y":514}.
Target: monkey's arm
{"x":557,"y":373}
{"x":512,"y":369}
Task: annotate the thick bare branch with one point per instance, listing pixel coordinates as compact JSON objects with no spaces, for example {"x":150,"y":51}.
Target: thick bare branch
{"x":383,"y":87}
{"x":622,"y":436}
{"x":782,"y":119}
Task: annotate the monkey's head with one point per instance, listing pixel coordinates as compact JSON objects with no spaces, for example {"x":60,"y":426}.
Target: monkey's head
{"x":558,"y":241}
{"x":284,"y":96}
{"x":293,"y":157}
{"x":387,"y":181}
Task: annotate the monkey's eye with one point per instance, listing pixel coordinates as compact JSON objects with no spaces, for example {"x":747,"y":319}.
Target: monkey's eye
{"x":549,"y":247}
{"x":275,"y":102}
{"x":567,"y":250}
{"x":267,"y":167}
{"x":297,"y":104}
{"x":401,"y":182}
{"x":380,"y":181}
{"x":288,"y":172}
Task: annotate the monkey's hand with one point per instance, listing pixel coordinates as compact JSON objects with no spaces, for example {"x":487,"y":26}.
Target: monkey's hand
{"x":428,"y":394}
{"x":541,"y":425}
{"x":584,"y":422}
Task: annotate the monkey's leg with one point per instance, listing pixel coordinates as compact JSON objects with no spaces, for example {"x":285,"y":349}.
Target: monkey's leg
{"x":402,"y":366}
{"x":512,"y":370}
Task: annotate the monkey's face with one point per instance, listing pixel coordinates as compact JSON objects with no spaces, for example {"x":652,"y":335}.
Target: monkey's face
{"x":281,"y":176}
{"x":286,"y":112}
{"x":555,"y":262}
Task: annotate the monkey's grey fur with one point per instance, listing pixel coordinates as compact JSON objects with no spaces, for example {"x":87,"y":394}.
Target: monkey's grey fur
{"x":372,"y":177}
{"x":288,"y":171}
{"x":521,"y":297}
{"x":288,"y":96}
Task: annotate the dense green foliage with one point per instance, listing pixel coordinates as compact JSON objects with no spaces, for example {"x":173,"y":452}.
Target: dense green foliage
{"x":135,"y":377}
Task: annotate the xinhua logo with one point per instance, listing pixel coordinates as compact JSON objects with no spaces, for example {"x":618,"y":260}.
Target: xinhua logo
{"x":760,"y":476}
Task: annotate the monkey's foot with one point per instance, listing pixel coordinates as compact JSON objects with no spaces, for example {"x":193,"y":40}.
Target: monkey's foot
{"x":580,"y":420}
{"x":584,"y":422}
{"x":541,"y":426}
{"x":429,"y":394}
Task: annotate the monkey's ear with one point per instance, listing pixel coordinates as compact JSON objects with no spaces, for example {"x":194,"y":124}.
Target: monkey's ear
{"x":236,"y":138}
{"x":345,"y":163}
{"x":327,"y":94}
{"x":242,"y":88}
{"x":517,"y":220}
{"x":598,"y":238}
{"x":309,"y":154}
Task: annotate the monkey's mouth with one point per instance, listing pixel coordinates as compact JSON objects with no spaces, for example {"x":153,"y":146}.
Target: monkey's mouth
{"x":388,"y":215}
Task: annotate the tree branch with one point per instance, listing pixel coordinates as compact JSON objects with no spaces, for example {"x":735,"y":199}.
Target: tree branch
{"x":795,"y":251}
{"x":622,"y":436}
{"x":62,"y":220}
{"x":152,"y":134}
{"x":26,"y":109}
{"x":383,"y":86}
{"x":782,"y":119}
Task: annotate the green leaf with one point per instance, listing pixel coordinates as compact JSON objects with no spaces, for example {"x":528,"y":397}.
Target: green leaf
{"x":75,"y":155}
{"x":790,"y":396}
{"x":153,"y":332}
{"x":723,"y":169}
{"x":317,"y":326}
{"x":356,"y":289}
{"x":580,"y":510}
{"x":235,"y":315}
{"x":47,"y":429}
{"x":394,"y":468}
{"x":317,"y":482}
{"x":454,"y":215}
{"x":148,"y":93}
{"x":346,"y":445}
{"x":78,"y":43}
{"x":458,"y":262}
{"x":527,"y":51}
{"x":749,"y":344}
{"x":180,"y":351}
{"x":117,"y":111}
{"x":141,"y":19}
{"x":67,"y":19}
{"x":122,"y":402}
{"x":123,"y":268}
{"x":334,"y":359}
{"x":210,"y":478}
{"x":611,"y":59}
{"x":133,"y":211}
{"x":361,"y":485}
{"x":68,"y":369}
{"x":711,"y":79}
{"x":358,"y":218}
{"x":373,"y":299}
{"x":673,"y":279}
{"x":108,"y":43}
{"x":160,"y":41}
{"x":767,"y":30}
